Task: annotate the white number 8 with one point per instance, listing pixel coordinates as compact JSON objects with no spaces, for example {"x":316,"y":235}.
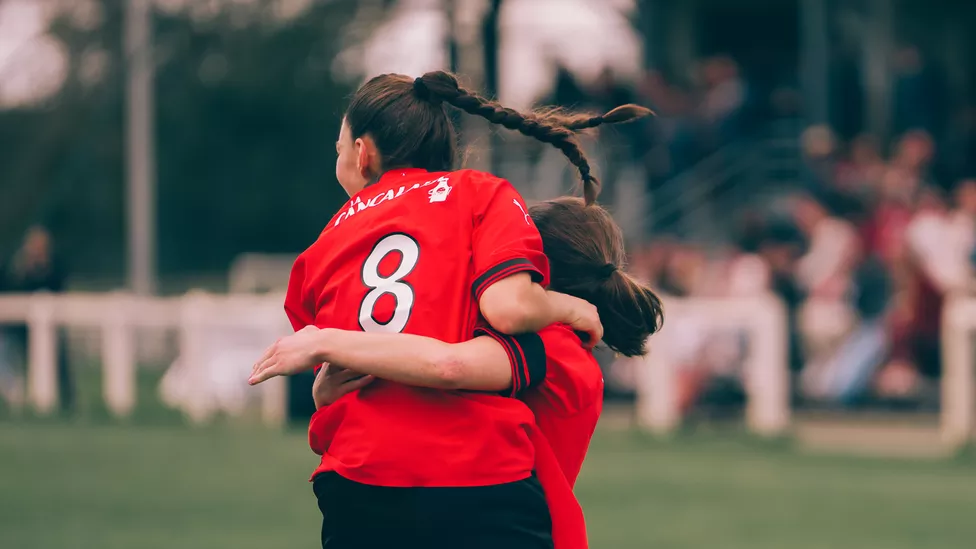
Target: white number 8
{"x":393,"y":284}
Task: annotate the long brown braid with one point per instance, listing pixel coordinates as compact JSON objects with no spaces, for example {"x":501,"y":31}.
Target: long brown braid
{"x":554,"y":127}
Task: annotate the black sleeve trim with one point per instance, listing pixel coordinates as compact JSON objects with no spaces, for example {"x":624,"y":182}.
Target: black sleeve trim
{"x":526,"y":356}
{"x":503,"y":270}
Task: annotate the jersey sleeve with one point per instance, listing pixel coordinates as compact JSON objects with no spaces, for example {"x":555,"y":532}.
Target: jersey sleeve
{"x":574,"y":380}
{"x":505,"y":240}
{"x":526,"y":356}
{"x":298,"y":306}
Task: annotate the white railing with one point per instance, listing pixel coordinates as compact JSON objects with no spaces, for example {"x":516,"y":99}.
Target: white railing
{"x":117,"y":316}
{"x":198,"y":316}
{"x":763,"y":321}
{"x":958,"y":413}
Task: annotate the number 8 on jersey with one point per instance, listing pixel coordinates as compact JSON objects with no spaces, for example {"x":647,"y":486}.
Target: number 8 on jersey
{"x":380,"y":285}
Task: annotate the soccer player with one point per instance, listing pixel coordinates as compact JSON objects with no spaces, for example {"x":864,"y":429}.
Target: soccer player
{"x":586,"y":252}
{"x":423,"y":250}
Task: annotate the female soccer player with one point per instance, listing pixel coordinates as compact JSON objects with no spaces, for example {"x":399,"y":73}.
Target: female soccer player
{"x":585,"y":251}
{"x":422,"y":250}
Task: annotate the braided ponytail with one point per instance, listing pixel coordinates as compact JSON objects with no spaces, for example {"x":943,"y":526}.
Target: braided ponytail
{"x":554,"y":128}
{"x":579,"y":122}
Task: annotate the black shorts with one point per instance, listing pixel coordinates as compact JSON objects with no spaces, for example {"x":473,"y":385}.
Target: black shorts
{"x":360,"y":516}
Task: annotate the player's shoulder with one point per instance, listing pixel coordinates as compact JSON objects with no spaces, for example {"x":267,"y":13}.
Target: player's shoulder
{"x":574,"y":380}
{"x":560,"y":336}
{"x":564,"y":345}
{"x":478,"y":178}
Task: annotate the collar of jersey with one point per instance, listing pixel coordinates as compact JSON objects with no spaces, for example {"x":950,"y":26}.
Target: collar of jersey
{"x":400,"y":173}
{"x":387,"y":179}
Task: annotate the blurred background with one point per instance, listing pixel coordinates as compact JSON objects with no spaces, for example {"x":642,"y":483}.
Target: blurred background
{"x":805,"y":198}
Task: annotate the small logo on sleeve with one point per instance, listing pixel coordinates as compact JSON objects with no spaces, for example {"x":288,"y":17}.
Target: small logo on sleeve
{"x":440,"y":192}
{"x":525,"y":216}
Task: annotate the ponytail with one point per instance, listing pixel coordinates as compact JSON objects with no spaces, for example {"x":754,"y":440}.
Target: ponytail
{"x":630,"y":312}
{"x":586,"y":252}
{"x":555,"y":128}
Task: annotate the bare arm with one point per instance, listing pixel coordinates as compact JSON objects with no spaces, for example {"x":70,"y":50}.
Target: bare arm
{"x":480,"y":364}
{"x":517,"y":305}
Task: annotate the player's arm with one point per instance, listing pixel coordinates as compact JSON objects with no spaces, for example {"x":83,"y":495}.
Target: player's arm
{"x":489,"y":362}
{"x":517,"y":305}
{"x":511,"y":270}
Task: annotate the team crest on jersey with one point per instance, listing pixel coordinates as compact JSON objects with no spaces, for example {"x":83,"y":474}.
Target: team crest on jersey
{"x":440,"y":192}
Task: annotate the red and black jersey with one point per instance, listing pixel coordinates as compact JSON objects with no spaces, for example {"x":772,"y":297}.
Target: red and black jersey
{"x":412,"y":254}
{"x":563,"y":386}
{"x":562,"y":383}
{"x":568,"y":403}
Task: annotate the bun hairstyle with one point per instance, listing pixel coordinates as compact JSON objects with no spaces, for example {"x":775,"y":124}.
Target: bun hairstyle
{"x":586,"y":253}
{"x":408,"y":122}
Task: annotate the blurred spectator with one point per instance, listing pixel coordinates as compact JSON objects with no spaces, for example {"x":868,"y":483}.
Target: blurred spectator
{"x":627,"y":145}
{"x":566,"y":91}
{"x":960,"y":147}
{"x":919,"y":92}
{"x":962,"y":229}
{"x":844,"y":376}
{"x":780,"y":248}
{"x":859,"y":175}
{"x":918,"y":266}
{"x":832,"y":250}
{"x":724,"y":98}
{"x":36,"y":267}
{"x":819,"y":148}
{"x":825,"y":274}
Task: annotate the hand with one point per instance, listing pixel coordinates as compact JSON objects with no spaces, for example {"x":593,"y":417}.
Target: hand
{"x":580,"y":314}
{"x":333,"y":382}
{"x":288,"y":356}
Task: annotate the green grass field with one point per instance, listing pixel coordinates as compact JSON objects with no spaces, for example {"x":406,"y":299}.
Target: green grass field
{"x":86,"y":485}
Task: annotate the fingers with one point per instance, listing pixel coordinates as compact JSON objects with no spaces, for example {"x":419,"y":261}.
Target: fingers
{"x":268,"y":353}
{"x":357,"y":384}
{"x":262,"y":376}
{"x":344,"y":376}
{"x":263,"y":372}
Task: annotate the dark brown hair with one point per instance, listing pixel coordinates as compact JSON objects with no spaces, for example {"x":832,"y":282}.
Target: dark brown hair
{"x":586,"y":255}
{"x":407,"y":121}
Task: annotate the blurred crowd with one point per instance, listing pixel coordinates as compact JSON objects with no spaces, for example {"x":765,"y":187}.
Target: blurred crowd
{"x":864,"y":248}
{"x":692,"y":120}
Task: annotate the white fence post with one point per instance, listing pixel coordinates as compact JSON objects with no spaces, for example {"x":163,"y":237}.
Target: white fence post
{"x":766,"y":372}
{"x":958,"y":318}
{"x":274,"y":401}
{"x":42,"y":373}
{"x":767,"y":382}
{"x":657,"y":381}
{"x":192,"y":350}
{"x":118,"y":357}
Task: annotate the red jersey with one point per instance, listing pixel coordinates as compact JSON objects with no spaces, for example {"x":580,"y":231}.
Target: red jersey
{"x":412,"y":254}
{"x":565,"y":392}
{"x":566,"y":385}
{"x":567,"y":405}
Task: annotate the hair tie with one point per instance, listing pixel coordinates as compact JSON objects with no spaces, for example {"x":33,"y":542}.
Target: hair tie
{"x":420,"y":89}
{"x":607,"y":270}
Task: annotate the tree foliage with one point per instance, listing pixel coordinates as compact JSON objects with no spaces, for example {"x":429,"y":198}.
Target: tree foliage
{"x":246,"y":117}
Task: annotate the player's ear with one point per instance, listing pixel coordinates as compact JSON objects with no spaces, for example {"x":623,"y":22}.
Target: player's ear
{"x":365,"y":156}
